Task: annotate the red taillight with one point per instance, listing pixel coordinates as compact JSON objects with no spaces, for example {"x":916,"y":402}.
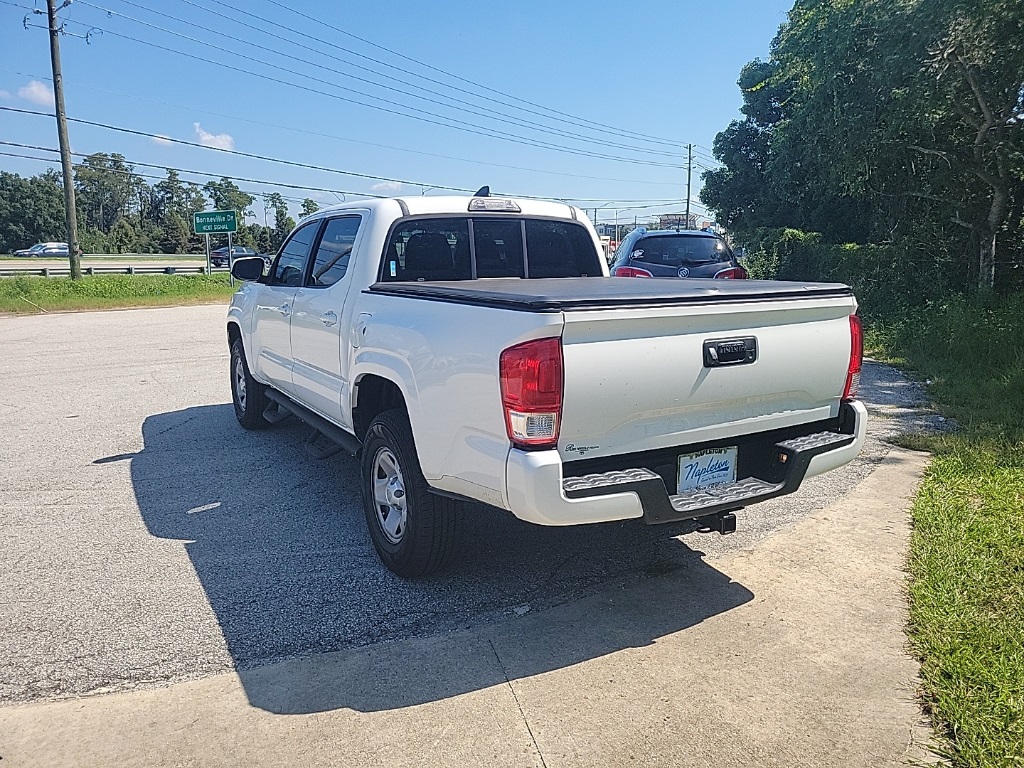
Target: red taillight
{"x":531,"y":392}
{"x":856,"y":358}
{"x":630,"y":272}
{"x":732,"y":273}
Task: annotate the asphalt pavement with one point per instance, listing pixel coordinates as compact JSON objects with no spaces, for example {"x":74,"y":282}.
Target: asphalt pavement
{"x":149,"y":540}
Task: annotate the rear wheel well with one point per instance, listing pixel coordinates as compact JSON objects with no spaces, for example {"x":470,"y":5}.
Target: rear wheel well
{"x":374,"y":395}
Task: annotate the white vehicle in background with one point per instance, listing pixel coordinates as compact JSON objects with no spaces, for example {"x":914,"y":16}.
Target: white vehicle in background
{"x":475,"y":349}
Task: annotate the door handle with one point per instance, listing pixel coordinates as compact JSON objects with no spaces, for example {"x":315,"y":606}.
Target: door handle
{"x":329,"y":319}
{"x":284,"y":309}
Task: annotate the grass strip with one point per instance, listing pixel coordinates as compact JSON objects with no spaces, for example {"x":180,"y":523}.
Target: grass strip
{"x":32,"y":295}
{"x":967,"y":548}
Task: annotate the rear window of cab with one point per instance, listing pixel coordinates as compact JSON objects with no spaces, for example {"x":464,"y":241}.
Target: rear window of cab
{"x":464,"y":248}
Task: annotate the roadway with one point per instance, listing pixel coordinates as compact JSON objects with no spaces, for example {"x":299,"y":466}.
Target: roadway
{"x":106,"y":261}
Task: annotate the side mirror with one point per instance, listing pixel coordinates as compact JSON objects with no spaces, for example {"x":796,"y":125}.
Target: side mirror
{"x":249,"y":268}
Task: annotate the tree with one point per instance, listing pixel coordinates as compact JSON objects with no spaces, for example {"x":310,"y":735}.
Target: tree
{"x":172,"y":196}
{"x":174,"y":234}
{"x":883,"y":122}
{"x":978,"y":64}
{"x":309,"y":206}
{"x":107,"y":189}
{"x":283,"y":223}
{"x":124,"y":237}
{"x":226,"y":196}
{"x":31,"y":210}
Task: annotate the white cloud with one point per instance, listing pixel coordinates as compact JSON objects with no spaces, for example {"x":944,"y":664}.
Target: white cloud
{"x":5,"y":94}
{"x":391,"y":187}
{"x":37,"y":93}
{"x":163,"y":141}
{"x":218,"y":140}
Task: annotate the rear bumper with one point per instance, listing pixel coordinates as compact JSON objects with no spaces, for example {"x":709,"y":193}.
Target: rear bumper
{"x":539,"y":493}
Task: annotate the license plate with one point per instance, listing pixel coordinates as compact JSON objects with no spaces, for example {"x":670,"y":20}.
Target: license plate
{"x":705,"y":469}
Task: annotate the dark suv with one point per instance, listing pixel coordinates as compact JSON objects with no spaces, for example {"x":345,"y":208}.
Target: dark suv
{"x":675,"y":253}
{"x":219,"y":257}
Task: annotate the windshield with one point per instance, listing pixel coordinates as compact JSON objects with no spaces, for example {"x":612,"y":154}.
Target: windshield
{"x":677,"y":250}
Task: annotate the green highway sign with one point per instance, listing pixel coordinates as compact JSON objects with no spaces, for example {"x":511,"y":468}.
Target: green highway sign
{"x":214,"y":222}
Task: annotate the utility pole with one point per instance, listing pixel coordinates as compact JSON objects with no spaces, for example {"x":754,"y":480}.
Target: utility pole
{"x":70,"y":214}
{"x":689,"y":172}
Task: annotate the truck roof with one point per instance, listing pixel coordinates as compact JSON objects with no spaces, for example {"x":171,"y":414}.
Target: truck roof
{"x":418,"y":205}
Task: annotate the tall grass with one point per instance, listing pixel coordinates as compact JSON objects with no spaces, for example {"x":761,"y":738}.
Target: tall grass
{"x":967,"y":549}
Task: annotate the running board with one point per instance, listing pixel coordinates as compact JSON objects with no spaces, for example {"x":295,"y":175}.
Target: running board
{"x":319,"y":446}
{"x":275,"y":414}
{"x":340,"y":439}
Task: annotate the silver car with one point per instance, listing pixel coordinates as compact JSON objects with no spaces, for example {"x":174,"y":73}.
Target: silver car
{"x":44,"y":249}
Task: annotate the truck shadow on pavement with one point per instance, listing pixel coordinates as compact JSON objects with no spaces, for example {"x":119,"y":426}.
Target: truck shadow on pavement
{"x":314,"y":622}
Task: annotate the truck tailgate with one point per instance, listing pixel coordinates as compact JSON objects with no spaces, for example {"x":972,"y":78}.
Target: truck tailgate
{"x":638,"y":379}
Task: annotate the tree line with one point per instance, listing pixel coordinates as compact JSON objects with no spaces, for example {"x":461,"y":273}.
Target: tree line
{"x":120,"y":212}
{"x":887,"y":123}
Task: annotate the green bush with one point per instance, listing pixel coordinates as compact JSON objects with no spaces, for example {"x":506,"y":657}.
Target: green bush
{"x":885,"y":278}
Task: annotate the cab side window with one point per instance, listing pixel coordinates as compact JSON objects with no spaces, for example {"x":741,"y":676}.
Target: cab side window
{"x":291,"y":261}
{"x":334,"y":251}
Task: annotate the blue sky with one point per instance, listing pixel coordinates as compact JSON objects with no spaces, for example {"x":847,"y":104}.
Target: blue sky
{"x":272,"y":82}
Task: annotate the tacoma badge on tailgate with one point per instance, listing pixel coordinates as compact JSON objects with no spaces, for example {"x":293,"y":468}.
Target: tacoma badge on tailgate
{"x":730,"y":352}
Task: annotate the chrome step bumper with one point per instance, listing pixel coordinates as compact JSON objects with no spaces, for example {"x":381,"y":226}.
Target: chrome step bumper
{"x":791,"y":460}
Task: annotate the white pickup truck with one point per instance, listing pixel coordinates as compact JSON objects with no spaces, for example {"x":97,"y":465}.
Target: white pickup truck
{"x":475,"y":349}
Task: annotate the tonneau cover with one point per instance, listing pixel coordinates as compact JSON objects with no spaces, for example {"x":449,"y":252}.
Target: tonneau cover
{"x":556,"y":294}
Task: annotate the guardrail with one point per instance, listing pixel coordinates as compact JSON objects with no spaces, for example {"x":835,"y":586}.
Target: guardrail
{"x":90,"y":270}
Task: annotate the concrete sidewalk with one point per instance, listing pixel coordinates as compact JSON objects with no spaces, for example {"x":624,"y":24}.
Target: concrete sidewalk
{"x":788,"y":654}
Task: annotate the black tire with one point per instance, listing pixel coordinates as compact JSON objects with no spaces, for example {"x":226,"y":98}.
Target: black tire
{"x":421,"y":542}
{"x":247,"y":395}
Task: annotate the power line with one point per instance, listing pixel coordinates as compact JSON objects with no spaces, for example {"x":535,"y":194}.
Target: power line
{"x":254,"y":193}
{"x":467,"y":106}
{"x":233,"y":177}
{"x":294,"y":163}
{"x":335,"y":137}
{"x":154,"y":176}
{"x":236,"y":152}
{"x":458,"y":124}
{"x":658,"y":204}
{"x":570,"y":118}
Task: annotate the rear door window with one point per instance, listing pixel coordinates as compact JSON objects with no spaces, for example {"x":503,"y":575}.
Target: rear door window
{"x":428,"y":249}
